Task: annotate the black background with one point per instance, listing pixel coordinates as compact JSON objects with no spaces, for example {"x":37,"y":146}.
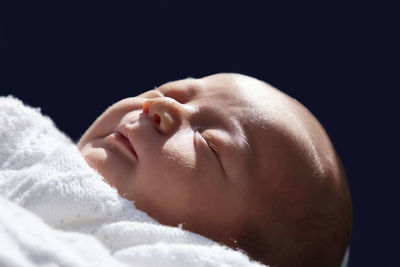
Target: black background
{"x":340,"y":59}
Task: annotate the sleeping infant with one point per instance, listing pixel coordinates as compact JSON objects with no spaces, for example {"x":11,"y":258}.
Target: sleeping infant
{"x":231,"y":158}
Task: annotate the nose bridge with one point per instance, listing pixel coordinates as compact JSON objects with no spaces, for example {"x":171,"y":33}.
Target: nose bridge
{"x":166,"y":112}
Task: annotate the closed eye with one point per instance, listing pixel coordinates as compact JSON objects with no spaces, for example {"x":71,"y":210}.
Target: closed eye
{"x":214,"y":149}
{"x":211,"y":145}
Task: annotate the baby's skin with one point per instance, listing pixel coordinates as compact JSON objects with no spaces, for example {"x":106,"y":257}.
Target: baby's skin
{"x":219,"y":155}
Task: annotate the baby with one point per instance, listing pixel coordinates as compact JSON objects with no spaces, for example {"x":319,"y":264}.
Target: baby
{"x":233,"y":159}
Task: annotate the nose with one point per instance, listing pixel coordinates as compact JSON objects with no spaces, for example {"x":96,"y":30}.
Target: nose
{"x":166,"y":113}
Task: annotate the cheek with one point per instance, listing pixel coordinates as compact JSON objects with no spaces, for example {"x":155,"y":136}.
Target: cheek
{"x":180,"y":151}
{"x":166,"y":156}
{"x":166,"y":174}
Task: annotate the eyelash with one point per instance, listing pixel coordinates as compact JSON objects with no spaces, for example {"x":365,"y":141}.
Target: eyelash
{"x":210,"y":144}
{"x":214,"y":149}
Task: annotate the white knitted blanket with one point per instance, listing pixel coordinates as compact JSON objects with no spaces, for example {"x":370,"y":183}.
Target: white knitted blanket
{"x":57,"y":211}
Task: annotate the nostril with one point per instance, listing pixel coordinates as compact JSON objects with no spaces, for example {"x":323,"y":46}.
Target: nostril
{"x":160,"y":111}
{"x":156,"y":118}
{"x":146,"y":107}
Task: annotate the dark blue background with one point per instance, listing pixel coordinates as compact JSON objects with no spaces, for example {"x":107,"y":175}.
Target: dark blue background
{"x":340,"y":59}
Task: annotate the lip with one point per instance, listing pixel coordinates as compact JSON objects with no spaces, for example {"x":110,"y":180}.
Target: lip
{"x":121,"y":138}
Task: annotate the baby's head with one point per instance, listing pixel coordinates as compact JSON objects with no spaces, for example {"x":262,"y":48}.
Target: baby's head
{"x":231,"y":158}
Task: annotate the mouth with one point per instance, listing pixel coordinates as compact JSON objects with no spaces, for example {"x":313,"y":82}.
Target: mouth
{"x":124,"y":140}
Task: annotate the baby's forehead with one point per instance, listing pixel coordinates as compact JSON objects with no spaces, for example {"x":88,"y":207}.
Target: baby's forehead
{"x":254,"y":103}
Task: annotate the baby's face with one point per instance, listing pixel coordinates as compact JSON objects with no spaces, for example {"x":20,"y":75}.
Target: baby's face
{"x":227,"y":156}
{"x":184,"y":152}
